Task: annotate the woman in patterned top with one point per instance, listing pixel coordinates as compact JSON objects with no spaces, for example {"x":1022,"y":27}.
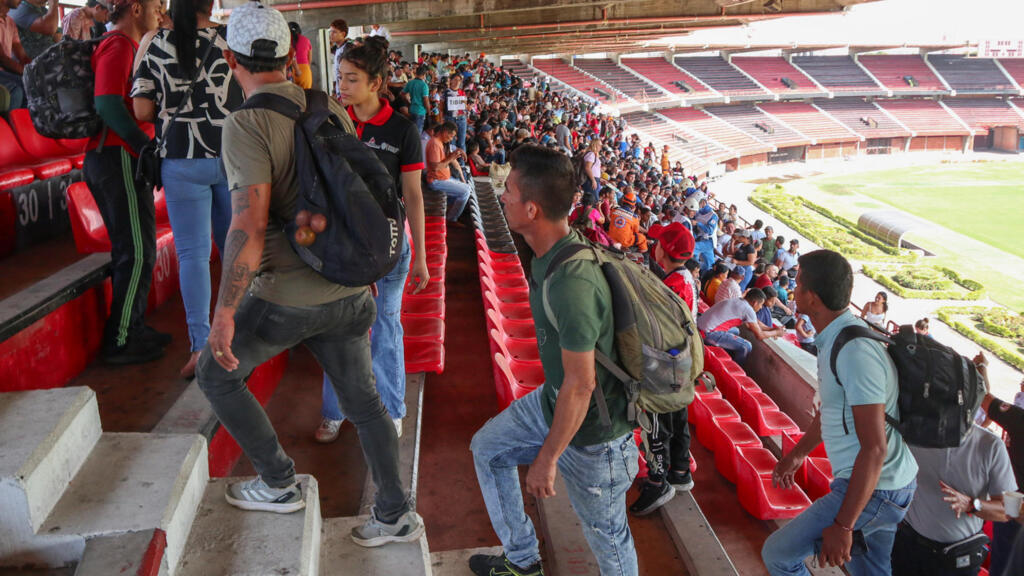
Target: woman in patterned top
{"x":196,"y":186}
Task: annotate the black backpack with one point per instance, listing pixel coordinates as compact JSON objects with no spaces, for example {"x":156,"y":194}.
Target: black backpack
{"x":59,"y":86}
{"x":343,"y":180}
{"x":939,"y":390}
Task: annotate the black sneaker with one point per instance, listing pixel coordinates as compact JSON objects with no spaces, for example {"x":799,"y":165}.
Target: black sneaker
{"x":681,"y":481}
{"x":486,"y":565}
{"x":134,"y":352}
{"x":150,"y":334}
{"x":652,"y":497}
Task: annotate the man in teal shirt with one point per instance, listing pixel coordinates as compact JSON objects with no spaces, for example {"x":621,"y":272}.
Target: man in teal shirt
{"x":419,"y":93}
{"x":557,"y":427}
{"x":873,"y":468}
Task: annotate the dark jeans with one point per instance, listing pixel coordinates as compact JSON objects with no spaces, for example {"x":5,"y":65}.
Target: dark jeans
{"x":1003,"y":535}
{"x":670,"y":446}
{"x":337,"y":333}
{"x":126,"y":205}
{"x":913,"y":556}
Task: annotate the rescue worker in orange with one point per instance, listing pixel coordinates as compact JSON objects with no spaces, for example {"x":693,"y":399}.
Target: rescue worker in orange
{"x":624,"y":225}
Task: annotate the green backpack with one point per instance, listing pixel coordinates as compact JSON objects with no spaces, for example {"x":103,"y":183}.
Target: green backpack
{"x":661,"y":354}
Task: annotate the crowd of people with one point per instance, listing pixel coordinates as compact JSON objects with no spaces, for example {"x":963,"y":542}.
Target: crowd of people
{"x":574,"y":175}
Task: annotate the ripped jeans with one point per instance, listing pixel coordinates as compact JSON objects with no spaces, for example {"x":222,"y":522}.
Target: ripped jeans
{"x":596,"y":479}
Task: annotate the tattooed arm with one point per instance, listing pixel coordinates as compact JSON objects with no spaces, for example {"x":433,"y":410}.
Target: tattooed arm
{"x":242,"y":252}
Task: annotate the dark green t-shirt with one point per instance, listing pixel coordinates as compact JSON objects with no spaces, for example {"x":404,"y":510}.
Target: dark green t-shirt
{"x":582,"y":305}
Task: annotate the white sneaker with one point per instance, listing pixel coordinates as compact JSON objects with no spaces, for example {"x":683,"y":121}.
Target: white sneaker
{"x":398,"y":426}
{"x":328,"y":431}
{"x":256,"y":495}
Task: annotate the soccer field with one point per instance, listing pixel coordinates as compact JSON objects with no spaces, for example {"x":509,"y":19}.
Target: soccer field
{"x":982,"y":200}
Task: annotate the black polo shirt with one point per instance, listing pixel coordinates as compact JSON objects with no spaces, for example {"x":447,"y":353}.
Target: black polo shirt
{"x":395,"y":140}
{"x":1011,"y":418}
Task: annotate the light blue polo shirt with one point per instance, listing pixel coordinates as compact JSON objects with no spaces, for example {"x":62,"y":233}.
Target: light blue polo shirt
{"x":869,"y":377}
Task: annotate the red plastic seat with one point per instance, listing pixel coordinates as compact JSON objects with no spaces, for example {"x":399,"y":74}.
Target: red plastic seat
{"x":424,"y":356}
{"x":513,"y":295}
{"x":509,"y":310}
{"x":717,"y":352}
{"x":754,"y":487}
{"x":747,"y":385}
{"x":32,"y":142}
{"x":763,"y":415}
{"x":817,"y":477}
{"x":499,"y":266}
{"x":436,"y":259}
{"x":423,"y":307}
{"x":422,"y":328}
{"x":704,"y":393}
{"x":516,"y":349}
{"x":729,"y":436}
{"x":520,"y":329}
{"x":15,"y":177}
{"x":703,"y":412}
{"x":504,"y":281}
{"x":87,"y":227}
{"x":526,"y":376}
{"x":165,"y":283}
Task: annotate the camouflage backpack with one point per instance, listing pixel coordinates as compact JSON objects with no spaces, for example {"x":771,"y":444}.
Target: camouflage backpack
{"x":661,"y":355}
{"x":59,"y":87}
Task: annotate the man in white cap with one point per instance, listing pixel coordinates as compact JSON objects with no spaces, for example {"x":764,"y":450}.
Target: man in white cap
{"x":270,"y":300}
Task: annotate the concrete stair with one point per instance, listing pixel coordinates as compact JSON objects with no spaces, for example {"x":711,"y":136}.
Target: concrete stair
{"x":456,"y":562}
{"x":340,"y":555}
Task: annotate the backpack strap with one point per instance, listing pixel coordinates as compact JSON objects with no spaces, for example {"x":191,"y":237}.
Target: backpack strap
{"x":274,"y":103}
{"x":845,"y":336}
{"x":590,"y":252}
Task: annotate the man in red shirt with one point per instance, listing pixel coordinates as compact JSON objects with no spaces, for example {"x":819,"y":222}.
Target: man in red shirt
{"x":124,"y":201}
{"x":669,"y":458}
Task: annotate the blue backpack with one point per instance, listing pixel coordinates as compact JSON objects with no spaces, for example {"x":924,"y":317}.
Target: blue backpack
{"x":344,"y":181}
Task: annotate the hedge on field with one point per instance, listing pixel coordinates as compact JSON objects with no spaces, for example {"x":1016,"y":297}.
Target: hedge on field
{"x":925,"y":282}
{"x":825,"y":228}
{"x":981,"y":316}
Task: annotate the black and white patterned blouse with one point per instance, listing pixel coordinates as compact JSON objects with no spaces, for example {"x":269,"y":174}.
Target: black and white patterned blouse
{"x":197,"y":131}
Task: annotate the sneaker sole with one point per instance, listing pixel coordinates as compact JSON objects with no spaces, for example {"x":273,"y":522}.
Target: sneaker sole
{"x":326,"y":440}
{"x":266,"y":506}
{"x":656,"y":504}
{"x":683,"y":487}
{"x":382,"y":540}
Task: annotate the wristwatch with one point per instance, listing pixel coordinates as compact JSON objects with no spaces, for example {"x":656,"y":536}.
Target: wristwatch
{"x":976,"y":505}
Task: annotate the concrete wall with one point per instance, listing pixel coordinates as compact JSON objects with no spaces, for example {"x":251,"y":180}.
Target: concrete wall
{"x":1005,"y":138}
{"x":786,"y":373}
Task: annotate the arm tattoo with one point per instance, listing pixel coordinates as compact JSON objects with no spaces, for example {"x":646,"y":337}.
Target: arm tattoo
{"x":239,"y":201}
{"x":236,"y":277}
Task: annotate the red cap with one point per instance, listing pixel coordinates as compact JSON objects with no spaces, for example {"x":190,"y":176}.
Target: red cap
{"x":675,"y":240}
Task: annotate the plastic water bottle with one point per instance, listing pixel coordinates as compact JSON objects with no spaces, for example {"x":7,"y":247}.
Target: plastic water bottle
{"x":673,"y":352}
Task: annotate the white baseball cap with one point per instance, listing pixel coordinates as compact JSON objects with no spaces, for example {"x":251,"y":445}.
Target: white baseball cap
{"x":253,"y":21}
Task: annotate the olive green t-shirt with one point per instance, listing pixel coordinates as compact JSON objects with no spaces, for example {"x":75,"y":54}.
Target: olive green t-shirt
{"x":582,"y":305}
{"x":258,"y":147}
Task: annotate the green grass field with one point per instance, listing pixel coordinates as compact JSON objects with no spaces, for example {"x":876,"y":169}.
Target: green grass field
{"x":984,"y":200}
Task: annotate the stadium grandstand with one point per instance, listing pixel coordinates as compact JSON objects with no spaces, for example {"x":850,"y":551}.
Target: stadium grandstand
{"x":113,"y":456}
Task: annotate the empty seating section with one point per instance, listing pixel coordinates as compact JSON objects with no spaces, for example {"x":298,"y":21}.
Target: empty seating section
{"x":981,"y":114}
{"x":894,"y":71}
{"x":808,"y":120}
{"x":566,"y":74}
{"x":622,"y":80}
{"x":862,"y":117}
{"x":751,"y":120}
{"x":976,"y":75}
{"x":719,"y":74}
{"x":670,"y":134}
{"x":772,"y":70}
{"x":924,"y":117}
{"x":837,"y":73}
{"x":664,"y":74}
{"x":717,"y":130}
{"x":519,"y":69}
{"x":1015,"y":68}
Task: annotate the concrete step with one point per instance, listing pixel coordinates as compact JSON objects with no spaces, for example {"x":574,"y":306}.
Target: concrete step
{"x":566,"y":549}
{"x":696,"y":541}
{"x":340,"y":555}
{"x":45,"y":437}
{"x":228,"y":541}
{"x":129,"y":553}
{"x":408,"y":444}
{"x":134,"y":483}
{"x":456,"y":562}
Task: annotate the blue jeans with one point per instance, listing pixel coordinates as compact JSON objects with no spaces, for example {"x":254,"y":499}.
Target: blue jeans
{"x":784,"y":551}
{"x":386,"y":345}
{"x":596,"y":478}
{"x":748,"y":275}
{"x":458,"y":193}
{"x":14,"y":87}
{"x":197,"y":200}
{"x":417,"y":119}
{"x":460,"y":135}
{"x":1003,"y":536}
{"x":730,"y":341}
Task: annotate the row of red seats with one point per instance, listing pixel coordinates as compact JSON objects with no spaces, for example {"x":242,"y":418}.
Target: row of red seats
{"x":423,"y":313}
{"x":26,"y":155}
{"x":739,"y":454}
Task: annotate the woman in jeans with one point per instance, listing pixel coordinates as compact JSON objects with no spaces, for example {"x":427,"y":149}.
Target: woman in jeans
{"x":396,"y":141}
{"x":196,"y":187}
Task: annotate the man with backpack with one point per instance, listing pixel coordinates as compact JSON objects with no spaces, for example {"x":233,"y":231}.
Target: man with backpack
{"x":271,"y":300}
{"x":123,"y":195}
{"x":874,"y":471}
{"x":555,"y":428}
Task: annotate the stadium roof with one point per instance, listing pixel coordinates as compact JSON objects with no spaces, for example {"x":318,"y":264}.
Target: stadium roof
{"x":544,"y":26}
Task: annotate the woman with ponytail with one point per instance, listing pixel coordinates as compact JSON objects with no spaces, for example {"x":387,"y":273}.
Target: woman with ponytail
{"x":364,"y":70}
{"x":195,"y":185}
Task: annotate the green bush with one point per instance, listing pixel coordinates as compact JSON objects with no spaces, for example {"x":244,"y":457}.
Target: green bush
{"x":1002,"y":323}
{"x":926,"y":283}
{"x":948,"y":315}
{"x":824,"y":228}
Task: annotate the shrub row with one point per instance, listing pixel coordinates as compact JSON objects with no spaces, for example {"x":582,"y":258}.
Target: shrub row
{"x":914,"y":283}
{"x":948,"y":315}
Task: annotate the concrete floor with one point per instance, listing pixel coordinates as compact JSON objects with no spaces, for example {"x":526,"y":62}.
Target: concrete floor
{"x":22,"y":269}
